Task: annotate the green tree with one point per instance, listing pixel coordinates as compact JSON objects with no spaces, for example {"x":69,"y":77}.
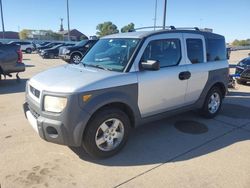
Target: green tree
{"x":106,"y":28}
{"x":24,"y":34}
{"x":241,"y":42}
{"x":128,"y":28}
{"x":83,"y":37}
{"x":50,"y":35}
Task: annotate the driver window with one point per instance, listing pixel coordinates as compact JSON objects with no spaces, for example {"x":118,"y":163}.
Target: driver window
{"x":166,"y":51}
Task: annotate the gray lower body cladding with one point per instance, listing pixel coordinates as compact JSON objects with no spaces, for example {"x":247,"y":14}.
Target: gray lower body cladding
{"x":13,"y":68}
{"x":69,"y":125}
{"x":220,"y":77}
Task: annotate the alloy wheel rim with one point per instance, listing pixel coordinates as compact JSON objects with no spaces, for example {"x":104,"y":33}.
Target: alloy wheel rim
{"x":214,"y":103}
{"x":109,"y":134}
{"x":76,"y":59}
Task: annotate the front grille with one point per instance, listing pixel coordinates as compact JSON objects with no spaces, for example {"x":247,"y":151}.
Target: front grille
{"x":246,"y":74}
{"x":34,"y":92}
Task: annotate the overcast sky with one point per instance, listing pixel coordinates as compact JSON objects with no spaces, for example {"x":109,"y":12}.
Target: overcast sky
{"x":227,"y":17}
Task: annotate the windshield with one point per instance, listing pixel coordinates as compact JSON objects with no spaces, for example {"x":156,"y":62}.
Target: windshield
{"x":81,"y":43}
{"x":111,"y":54}
{"x":56,"y":46}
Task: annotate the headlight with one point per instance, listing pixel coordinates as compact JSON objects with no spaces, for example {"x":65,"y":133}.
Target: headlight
{"x":66,"y":51}
{"x":241,"y":64}
{"x":54,"y":104}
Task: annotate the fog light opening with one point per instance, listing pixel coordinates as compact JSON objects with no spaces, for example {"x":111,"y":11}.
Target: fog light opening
{"x":52,"y":132}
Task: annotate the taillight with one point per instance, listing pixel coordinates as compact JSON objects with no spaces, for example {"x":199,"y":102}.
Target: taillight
{"x":20,"y":56}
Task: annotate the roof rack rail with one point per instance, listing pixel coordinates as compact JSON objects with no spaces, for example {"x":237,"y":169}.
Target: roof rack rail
{"x":174,"y":28}
{"x":155,"y":27}
{"x":188,"y":28}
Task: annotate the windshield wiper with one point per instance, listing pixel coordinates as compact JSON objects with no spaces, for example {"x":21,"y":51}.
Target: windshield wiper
{"x":96,"y":66}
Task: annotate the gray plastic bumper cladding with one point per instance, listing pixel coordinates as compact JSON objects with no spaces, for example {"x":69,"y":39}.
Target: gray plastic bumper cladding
{"x":64,"y":128}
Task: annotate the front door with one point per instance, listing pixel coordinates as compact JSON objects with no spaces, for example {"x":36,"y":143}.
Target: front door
{"x":165,"y":89}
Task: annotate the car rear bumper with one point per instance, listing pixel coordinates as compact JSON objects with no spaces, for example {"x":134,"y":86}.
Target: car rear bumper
{"x":18,"y":67}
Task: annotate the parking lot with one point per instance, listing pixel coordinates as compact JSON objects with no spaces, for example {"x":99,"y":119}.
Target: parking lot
{"x":182,"y":151}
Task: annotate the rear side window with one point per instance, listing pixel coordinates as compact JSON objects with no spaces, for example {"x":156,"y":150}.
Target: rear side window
{"x":216,"y":49}
{"x":166,"y":51}
{"x":195,"y":51}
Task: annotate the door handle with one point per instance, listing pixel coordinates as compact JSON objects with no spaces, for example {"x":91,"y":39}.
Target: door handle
{"x":184,"y":75}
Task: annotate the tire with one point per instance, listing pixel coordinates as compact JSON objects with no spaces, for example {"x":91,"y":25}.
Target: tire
{"x":76,"y":58}
{"x":28,"y":50}
{"x":239,"y":81}
{"x":212,"y":104}
{"x":100,"y":128}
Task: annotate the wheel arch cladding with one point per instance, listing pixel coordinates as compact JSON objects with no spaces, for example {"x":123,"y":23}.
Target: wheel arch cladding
{"x":218,"y":78}
{"x":76,"y":52}
{"x":222,"y":88}
{"x":123,"y":107}
{"x":122,"y":97}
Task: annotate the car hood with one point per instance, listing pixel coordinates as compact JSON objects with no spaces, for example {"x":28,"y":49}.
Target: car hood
{"x":77,"y":78}
{"x":73,"y":47}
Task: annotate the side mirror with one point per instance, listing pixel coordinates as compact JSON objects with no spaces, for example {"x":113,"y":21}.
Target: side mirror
{"x":151,"y":65}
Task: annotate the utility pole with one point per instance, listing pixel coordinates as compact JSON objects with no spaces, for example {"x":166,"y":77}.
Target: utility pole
{"x":164,"y":14}
{"x":68,"y":20}
{"x":2,"y":19}
{"x":155,"y":14}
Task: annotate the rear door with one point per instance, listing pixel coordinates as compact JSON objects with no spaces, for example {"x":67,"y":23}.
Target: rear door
{"x":196,"y":65}
{"x":162,"y":90}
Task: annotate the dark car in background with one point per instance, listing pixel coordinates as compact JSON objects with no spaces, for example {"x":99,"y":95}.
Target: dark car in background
{"x":54,"y":51}
{"x":10,"y":60}
{"x":75,"y":53}
{"x":43,"y":44}
{"x":228,"y":52}
{"x":47,"y":46}
{"x":243,"y":71}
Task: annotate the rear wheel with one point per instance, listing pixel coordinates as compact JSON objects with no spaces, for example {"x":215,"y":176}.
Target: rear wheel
{"x":106,"y":133}
{"x":212,"y":104}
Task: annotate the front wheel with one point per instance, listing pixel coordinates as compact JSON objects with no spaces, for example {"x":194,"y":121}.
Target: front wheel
{"x":212,"y":104}
{"x":76,"y":58}
{"x":106,"y":133}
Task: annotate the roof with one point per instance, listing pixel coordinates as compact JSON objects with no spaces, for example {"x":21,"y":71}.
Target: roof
{"x":144,"y":34}
{"x":10,"y":35}
{"x":72,"y":31}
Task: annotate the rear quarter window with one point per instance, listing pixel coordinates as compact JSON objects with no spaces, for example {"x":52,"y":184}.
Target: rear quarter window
{"x":216,"y":50}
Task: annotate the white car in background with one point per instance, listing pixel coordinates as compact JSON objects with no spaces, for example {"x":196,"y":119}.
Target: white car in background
{"x":27,"y":47}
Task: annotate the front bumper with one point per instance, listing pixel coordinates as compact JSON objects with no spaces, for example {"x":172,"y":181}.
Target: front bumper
{"x":243,"y":72}
{"x":65,"y":57}
{"x":65,"y":128}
